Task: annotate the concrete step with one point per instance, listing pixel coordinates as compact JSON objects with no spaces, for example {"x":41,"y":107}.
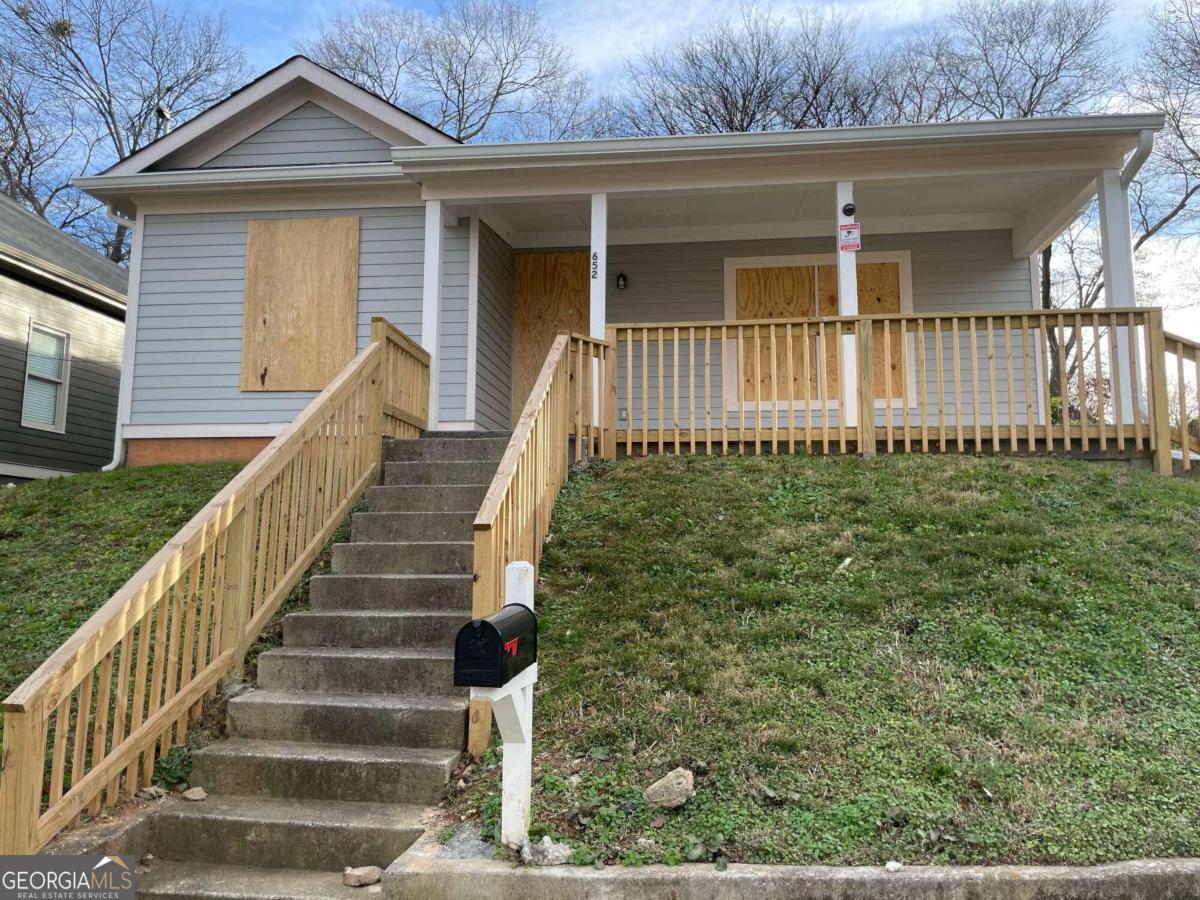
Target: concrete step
{"x":412,"y":526}
{"x":466,"y":435}
{"x":379,"y":774}
{"x":408,"y":558}
{"x":427,"y":497}
{"x":284,"y":834}
{"x":471,"y":472}
{"x":359,"y":671}
{"x":440,"y":592}
{"x":204,"y":881}
{"x":354,"y":718}
{"x":372,"y":628}
{"x":445,"y":449}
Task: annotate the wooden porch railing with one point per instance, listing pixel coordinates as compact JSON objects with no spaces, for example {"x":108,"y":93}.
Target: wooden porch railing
{"x":89,"y":724}
{"x":1022,"y":381}
{"x":569,"y":398}
{"x":1183,"y":387}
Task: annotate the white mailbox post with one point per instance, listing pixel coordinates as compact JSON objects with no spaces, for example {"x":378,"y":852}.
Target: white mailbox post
{"x":512,"y":706}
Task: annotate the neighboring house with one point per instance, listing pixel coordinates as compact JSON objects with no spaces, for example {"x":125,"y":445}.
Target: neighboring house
{"x":271,"y":228}
{"x":62,"y":313}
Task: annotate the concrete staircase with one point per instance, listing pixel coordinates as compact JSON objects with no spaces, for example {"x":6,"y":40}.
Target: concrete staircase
{"x":355,"y":727}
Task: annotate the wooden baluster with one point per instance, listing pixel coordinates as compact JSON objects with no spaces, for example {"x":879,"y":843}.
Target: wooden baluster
{"x":808,"y":399}
{"x":724,"y":390}
{"x":1098,"y":383}
{"x":1114,"y":369}
{"x":121,"y":705}
{"x":100,"y":726}
{"x":1182,"y":393}
{"x":923,"y":386}
{"x":629,"y":394}
{"x":1027,"y":375}
{"x":844,"y":387}
{"x":992,"y":374}
{"x":675,"y":388}
{"x":758,"y":401}
{"x":743,"y":391}
{"x":83,"y":714}
{"x":975,"y":406}
{"x":708,"y":438}
{"x":1065,"y":407}
{"x":1134,"y":380}
{"x":791,"y":383}
{"x":662,"y":406}
{"x":887,"y":384}
{"x":823,"y":386}
{"x":774,"y":392}
{"x":939,"y":353}
{"x":137,"y":707}
{"x":1012,"y":388}
{"x":1081,"y":381}
{"x":58,"y":759}
{"x":692,"y":386}
{"x":645,"y":392}
{"x":1044,"y":387}
{"x":956,"y":383}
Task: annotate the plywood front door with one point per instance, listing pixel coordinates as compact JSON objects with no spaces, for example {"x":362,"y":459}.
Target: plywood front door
{"x":550,"y":296}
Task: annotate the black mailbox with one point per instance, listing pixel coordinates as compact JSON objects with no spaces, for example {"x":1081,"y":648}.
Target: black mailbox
{"x":489,"y":652}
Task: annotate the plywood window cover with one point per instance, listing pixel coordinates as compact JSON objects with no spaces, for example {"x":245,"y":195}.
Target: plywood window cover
{"x":326,"y":308}
{"x":814,"y":260}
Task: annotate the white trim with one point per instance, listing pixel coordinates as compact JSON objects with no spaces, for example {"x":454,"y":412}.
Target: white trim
{"x":472,"y":316}
{"x":431,"y":303}
{"x":240,"y":104}
{"x":475,"y":156}
{"x":847,"y":276}
{"x":598,"y":265}
{"x":682,"y":234}
{"x":215,"y":430}
{"x":733,"y":263}
{"x":16,"y":470}
{"x":455,"y":426}
{"x":81,"y":288}
{"x":64,"y":381}
{"x":340,"y":196}
{"x":336,"y":174}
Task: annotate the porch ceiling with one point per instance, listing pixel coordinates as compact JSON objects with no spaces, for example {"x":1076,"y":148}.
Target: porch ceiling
{"x":1024,"y":201}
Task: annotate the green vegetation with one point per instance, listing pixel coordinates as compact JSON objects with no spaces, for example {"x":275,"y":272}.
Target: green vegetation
{"x":67,"y":544}
{"x":930,"y":659}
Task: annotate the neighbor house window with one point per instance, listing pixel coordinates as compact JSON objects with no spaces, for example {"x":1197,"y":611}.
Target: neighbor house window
{"x":46,"y":370}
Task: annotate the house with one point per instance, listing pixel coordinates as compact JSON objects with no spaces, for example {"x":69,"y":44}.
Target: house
{"x":728,"y":270}
{"x":62,"y":313}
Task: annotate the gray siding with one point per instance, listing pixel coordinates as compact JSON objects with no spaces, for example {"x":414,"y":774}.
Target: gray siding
{"x":493,"y":364}
{"x":685,"y":282}
{"x":189,"y":341}
{"x":95,"y":347}
{"x":307,"y":135}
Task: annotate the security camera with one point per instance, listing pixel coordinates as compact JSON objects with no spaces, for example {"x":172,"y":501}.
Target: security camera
{"x":849,"y":209}
{"x":163,"y":113}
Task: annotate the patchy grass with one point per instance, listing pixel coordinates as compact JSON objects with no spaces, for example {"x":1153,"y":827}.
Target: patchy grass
{"x":67,"y":544}
{"x":930,"y":659}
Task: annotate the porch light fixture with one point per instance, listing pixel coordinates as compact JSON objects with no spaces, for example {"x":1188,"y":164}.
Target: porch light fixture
{"x":622,"y":281}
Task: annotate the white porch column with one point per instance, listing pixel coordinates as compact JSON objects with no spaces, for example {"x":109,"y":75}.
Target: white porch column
{"x":1116,"y":249}
{"x":847,"y":306}
{"x":598,"y":282}
{"x":599,"y":266}
{"x":431,"y":302}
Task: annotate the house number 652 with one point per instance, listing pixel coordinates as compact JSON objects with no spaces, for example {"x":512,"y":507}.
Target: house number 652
{"x":595,"y":266}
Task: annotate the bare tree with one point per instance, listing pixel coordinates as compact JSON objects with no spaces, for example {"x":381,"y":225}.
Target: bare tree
{"x":91,"y":75}
{"x":475,"y":68}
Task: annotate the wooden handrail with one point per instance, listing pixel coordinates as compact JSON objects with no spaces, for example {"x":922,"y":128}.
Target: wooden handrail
{"x":121,"y":691}
{"x":566,"y":399}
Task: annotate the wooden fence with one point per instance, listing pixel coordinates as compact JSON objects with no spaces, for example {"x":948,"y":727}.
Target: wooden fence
{"x":1024,"y":381}
{"x":88,"y":726}
{"x":569,"y":398}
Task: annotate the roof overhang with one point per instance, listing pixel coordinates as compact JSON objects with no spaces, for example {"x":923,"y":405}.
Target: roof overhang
{"x":89,"y":293}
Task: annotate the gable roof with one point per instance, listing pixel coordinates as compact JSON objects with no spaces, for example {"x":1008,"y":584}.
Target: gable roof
{"x":31,"y":245}
{"x":241,"y":105}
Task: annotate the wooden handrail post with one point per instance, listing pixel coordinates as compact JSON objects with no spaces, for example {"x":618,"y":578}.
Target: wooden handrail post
{"x":235,"y":598}
{"x":608,"y":428}
{"x":21,"y":779}
{"x":485,"y":600}
{"x":1160,"y":424}
{"x":866,"y":390}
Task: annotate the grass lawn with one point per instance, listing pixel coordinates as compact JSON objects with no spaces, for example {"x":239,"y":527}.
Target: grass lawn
{"x":929,"y":659}
{"x":67,"y":544}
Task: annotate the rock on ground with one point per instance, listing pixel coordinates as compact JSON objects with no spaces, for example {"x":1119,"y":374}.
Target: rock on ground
{"x":672,"y":790}
{"x":545,"y":853}
{"x":361,"y":876}
{"x":196,"y":793}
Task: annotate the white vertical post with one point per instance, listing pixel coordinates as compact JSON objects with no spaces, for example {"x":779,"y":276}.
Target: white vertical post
{"x":1116,"y":250}
{"x":431,"y":303}
{"x":512,"y":705}
{"x":598,"y":293}
{"x":847,"y":306}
